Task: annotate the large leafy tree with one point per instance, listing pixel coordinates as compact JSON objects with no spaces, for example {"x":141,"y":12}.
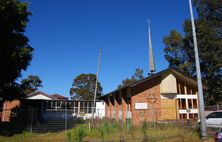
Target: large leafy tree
{"x":84,"y":86}
{"x":15,"y":52}
{"x":31,"y":84}
{"x":138,"y":75}
{"x":179,"y":50}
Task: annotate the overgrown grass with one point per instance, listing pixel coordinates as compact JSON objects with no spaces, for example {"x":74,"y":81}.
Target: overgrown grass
{"x":111,"y":131}
{"x":33,"y":137}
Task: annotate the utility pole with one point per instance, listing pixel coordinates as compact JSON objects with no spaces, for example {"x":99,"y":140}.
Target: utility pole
{"x":199,"y":81}
{"x":97,"y":73}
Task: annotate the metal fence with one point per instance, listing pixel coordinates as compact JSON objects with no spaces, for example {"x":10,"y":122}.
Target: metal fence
{"x":52,"y":120}
{"x":44,"y":120}
{"x":213,"y":107}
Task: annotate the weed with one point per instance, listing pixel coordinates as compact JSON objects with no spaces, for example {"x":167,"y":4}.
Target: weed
{"x":144,"y":131}
{"x":77,"y":134}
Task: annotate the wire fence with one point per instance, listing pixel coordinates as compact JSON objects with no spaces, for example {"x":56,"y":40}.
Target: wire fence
{"x":213,"y":107}
{"x":45,"y":120}
{"x":53,"y":120}
{"x":59,"y":119}
{"x":147,"y":131}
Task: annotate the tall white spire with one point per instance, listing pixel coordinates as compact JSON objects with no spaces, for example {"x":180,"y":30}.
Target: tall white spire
{"x":151,"y":58}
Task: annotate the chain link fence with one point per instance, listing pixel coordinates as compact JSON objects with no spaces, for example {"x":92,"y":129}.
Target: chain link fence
{"x":58,"y":119}
{"x":43,"y":120}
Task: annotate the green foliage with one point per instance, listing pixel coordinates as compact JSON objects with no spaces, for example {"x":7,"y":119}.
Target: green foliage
{"x":77,"y":134}
{"x":179,"y":50}
{"x":15,"y":52}
{"x":138,"y":75}
{"x":144,"y":131}
{"x":69,"y":136}
{"x":84,"y":86}
{"x":102,"y":133}
{"x":107,"y":127}
{"x":104,"y":130}
{"x":31,"y":84}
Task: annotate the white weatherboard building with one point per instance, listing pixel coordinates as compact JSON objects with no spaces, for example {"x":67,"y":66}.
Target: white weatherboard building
{"x":52,"y":104}
{"x":86,"y":112}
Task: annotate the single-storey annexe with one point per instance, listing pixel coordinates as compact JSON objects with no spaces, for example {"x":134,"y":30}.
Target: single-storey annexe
{"x":53,"y":107}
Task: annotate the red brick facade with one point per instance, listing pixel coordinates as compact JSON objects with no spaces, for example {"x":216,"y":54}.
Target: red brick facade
{"x":120,"y":104}
{"x":141,"y":95}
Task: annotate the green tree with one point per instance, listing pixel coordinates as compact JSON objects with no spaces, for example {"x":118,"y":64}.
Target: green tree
{"x":31,"y":84}
{"x":15,"y":52}
{"x":138,"y":75}
{"x":179,"y":51}
{"x":84,"y":86}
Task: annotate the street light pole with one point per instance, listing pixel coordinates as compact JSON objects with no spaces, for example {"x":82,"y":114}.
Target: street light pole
{"x":200,"y":88}
{"x":97,"y":73}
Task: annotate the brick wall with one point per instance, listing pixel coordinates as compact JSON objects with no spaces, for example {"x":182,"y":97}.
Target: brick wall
{"x":106,"y":109}
{"x":7,"y":107}
{"x":124,"y":110}
{"x":146,"y":92}
{"x":141,"y":94}
{"x":116,"y":110}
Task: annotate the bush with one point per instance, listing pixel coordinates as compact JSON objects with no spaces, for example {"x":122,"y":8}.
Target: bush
{"x":77,"y":134}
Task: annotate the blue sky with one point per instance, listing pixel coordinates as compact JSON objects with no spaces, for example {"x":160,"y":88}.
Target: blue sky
{"x":67,"y":35}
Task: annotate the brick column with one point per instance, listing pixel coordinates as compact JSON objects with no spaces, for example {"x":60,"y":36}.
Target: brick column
{"x":116,"y":109}
{"x":110,"y":108}
{"x":107,"y":109}
{"x":124,"y":110}
{"x":133,"y":111}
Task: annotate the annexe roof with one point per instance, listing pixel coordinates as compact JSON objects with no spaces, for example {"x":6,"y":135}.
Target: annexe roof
{"x":57,"y":96}
{"x":42,"y":93}
{"x":178,"y":74}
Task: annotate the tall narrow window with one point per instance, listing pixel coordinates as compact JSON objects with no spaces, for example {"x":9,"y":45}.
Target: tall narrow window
{"x":90,"y":107}
{"x":75,"y":107}
{"x":190,"y":104}
{"x":194,"y":103}
{"x":182,"y":103}
{"x":85,"y":107}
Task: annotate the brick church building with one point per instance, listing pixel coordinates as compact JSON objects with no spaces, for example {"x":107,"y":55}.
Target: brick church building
{"x":167,"y":95}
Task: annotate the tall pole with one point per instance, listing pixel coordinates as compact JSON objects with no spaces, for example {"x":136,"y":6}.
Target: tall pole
{"x":151,"y":58}
{"x":200,"y":88}
{"x":97,"y":73}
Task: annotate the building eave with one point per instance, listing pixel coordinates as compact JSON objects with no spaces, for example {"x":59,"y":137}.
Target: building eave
{"x":174,"y":71}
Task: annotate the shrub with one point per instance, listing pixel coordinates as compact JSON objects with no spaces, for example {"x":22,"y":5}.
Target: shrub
{"x":77,"y":134}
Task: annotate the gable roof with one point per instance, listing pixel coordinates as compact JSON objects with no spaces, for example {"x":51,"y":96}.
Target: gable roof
{"x":57,"y":96}
{"x":40,"y":92}
{"x":178,"y":75}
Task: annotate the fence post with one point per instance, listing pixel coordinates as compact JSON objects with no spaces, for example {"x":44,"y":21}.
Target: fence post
{"x":31,"y":127}
{"x":218,"y":108}
{"x":188,"y":123}
{"x":65,"y":115}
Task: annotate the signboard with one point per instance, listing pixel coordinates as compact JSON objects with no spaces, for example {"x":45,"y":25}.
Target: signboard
{"x":141,"y":106}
